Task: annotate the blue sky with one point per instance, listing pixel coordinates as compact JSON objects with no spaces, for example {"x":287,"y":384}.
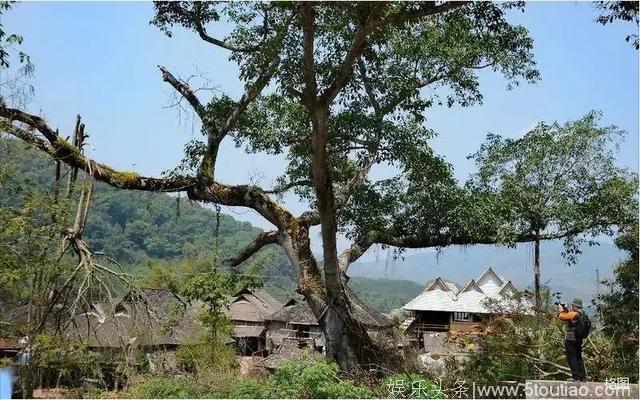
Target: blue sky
{"x":100,"y":60}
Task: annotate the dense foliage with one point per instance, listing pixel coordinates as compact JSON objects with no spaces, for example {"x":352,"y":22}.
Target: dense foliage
{"x":305,"y":376}
{"x":619,"y":307}
{"x":521,"y":348}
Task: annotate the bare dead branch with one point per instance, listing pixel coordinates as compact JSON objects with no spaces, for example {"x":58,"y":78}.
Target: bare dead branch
{"x":185,"y":91}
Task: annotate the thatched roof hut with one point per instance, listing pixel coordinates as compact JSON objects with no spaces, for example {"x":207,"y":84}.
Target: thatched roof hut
{"x":248,"y":310}
{"x":149,"y":317}
{"x":299,"y":312}
{"x":251,"y":305}
{"x":295,"y":312}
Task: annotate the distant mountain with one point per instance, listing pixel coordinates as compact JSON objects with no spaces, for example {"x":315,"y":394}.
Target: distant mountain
{"x":385,"y":294}
{"x":460,"y":264}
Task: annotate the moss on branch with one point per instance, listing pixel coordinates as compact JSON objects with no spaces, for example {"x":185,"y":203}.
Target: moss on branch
{"x":125,"y":178}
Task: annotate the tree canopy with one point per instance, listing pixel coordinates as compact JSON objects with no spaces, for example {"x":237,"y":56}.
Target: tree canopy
{"x":558,"y":181}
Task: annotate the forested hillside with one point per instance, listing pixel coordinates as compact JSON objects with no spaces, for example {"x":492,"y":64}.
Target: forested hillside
{"x":385,"y":294}
{"x":137,"y":228}
{"x":151,"y":233}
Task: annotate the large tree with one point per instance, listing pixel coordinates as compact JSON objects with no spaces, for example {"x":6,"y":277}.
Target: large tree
{"x":349,"y":84}
{"x":556,"y":182}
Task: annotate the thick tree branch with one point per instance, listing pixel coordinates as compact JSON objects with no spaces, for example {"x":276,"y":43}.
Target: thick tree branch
{"x":204,"y":36}
{"x":70,"y":155}
{"x":310,"y":91}
{"x":388,"y":238}
{"x":250,"y":94}
{"x":357,"y":249}
{"x":346,"y":68}
{"x":258,"y":243}
{"x":344,"y":193}
{"x":241,"y":195}
{"x":367,"y":87}
{"x":34,"y":121}
{"x":216,"y":136}
{"x":358,"y":44}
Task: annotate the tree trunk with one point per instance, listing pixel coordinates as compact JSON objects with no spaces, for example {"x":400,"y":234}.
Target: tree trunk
{"x":536,"y":273}
{"x":347,"y":341}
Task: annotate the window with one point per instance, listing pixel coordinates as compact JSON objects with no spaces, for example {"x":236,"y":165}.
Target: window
{"x":461,"y":316}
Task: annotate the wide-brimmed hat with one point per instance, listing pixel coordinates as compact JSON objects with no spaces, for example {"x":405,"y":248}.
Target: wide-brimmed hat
{"x":577,"y":302}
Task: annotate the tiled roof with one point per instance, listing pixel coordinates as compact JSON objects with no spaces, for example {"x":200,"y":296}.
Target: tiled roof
{"x":472,"y":297}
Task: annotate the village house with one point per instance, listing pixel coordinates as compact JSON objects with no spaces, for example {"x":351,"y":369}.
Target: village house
{"x":294,"y":328}
{"x":443,"y":306}
{"x":294,"y":320}
{"x":248,"y":311}
{"x":150,"y":323}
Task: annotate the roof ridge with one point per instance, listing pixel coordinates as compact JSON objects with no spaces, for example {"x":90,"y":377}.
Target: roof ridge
{"x":490,"y":269}
{"x":443,"y":283}
{"x":475,"y":283}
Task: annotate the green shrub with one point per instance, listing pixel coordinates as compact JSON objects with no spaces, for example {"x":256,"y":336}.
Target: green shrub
{"x":162,"y":387}
{"x":315,"y":378}
{"x":250,"y":389}
{"x":308,"y":376}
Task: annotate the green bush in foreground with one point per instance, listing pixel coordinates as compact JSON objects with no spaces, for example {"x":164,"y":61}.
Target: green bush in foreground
{"x":162,"y":387}
{"x":309,"y":376}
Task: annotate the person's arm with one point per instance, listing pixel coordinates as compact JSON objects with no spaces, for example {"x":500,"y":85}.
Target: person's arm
{"x":567,"y":315}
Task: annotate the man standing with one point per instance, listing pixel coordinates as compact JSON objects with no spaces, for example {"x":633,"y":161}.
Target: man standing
{"x":572,"y":342}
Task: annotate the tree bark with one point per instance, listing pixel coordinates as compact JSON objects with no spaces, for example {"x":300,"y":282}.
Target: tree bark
{"x":347,"y":341}
{"x":536,"y":273}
